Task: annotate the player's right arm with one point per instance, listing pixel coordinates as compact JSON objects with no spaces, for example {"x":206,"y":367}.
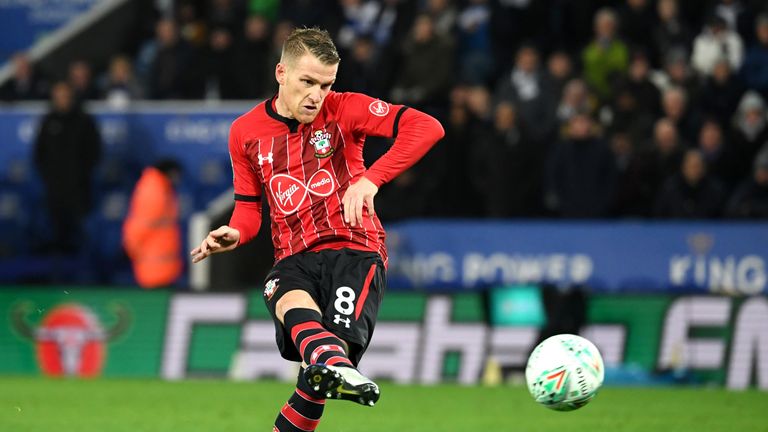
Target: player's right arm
{"x":246,"y":218}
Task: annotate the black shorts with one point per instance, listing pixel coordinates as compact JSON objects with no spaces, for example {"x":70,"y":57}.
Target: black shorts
{"x":348,"y":286}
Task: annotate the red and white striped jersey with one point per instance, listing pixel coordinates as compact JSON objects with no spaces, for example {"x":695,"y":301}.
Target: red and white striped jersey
{"x":305,"y":169}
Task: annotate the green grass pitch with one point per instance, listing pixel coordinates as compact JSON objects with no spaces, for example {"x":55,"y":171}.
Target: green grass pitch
{"x":36,"y":404}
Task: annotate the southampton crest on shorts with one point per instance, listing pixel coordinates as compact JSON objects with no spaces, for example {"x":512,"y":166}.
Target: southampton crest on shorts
{"x":322,"y":143}
{"x":270,"y":287}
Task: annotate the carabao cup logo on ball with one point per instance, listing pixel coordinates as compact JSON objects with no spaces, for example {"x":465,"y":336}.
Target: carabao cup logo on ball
{"x":70,"y":340}
{"x":564,"y":372}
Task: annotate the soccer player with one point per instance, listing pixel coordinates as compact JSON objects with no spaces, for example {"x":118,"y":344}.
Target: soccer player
{"x":302,"y":149}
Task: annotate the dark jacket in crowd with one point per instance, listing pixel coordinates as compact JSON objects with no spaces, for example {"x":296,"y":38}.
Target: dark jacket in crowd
{"x":744,"y":148}
{"x":641,"y":181}
{"x":223,"y":71}
{"x":581,"y":178}
{"x":507,"y":167}
{"x":749,"y":201}
{"x":177,"y":72}
{"x":680,"y":200}
{"x":66,"y":152}
{"x":537,"y":107}
{"x":755,"y":68}
{"x":34,"y":89}
{"x":720,"y":99}
{"x":254,"y":71}
{"x":426,"y":73}
{"x":67,"y":149}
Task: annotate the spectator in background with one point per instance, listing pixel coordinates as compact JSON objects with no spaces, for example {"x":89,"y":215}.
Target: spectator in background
{"x":639,"y":84}
{"x":721,"y":93}
{"x":647,"y":170}
{"x":360,"y":18}
{"x":460,"y":128}
{"x":25,"y":83}
{"x":677,"y":73}
{"x":264,"y":8}
{"x":718,"y":155}
{"x":66,"y":151}
{"x":192,"y":28}
{"x":228,"y":14}
{"x":624,"y":115}
{"x":581,"y":172}
{"x":675,"y":107}
{"x":636,"y":18}
{"x":426,"y":71}
{"x":394,"y":21}
{"x":443,"y":14}
{"x":327,"y":14}
{"x":576,"y":99}
{"x":151,"y":231}
{"x":567,"y":23}
{"x":80,"y":78}
{"x":507,"y":166}
{"x":623,"y":148}
{"x":361,"y":72}
{"x":736,"y":15}
{"x":560,"y":70}
{"x":750,"y":131}
{"x":253,"y":67}
{"x":120,"y":86}
{"x":691,"y":194}
{"x":671,"y":32}
{"x":282,"y":30}
{"x":637,"y":101}
{"x":173,"y":66}
{"x":606,"y":58}
{"x":755,"y":68}
{"x":475,"y":50}
{"x":751,"y":198}
{"x":526,"y":88}
{"x":716,"y":42}
{"x":512,"y":22}
{"x":223,"y":70}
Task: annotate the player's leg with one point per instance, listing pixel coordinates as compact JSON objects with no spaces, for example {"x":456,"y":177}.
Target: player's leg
{"x":302,"y":320}
{"x":329,"y":370}
{"x":303,"y":410}
{"x":353,"y":285}
{"x":295,"y":294}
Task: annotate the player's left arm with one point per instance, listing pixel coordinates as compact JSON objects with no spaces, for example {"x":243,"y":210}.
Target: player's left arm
{"x":414,"y":132}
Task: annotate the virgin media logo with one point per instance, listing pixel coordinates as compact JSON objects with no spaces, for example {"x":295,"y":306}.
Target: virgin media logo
{"x":290,"y":193}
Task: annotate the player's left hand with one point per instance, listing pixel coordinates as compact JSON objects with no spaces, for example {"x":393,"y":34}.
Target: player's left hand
{"x":357,"y":196}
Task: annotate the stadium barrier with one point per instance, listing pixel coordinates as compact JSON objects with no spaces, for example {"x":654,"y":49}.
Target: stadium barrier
{"x":423,"y":338}
{"x":191,"y":132}
{"x":606,"y":256}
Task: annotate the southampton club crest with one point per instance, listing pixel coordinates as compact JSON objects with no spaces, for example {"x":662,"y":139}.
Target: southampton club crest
{"x":270,"y":287}
{"x":322,"y":143}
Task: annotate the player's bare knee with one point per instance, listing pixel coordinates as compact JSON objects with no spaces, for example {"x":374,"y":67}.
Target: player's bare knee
{"x":292,"y":300}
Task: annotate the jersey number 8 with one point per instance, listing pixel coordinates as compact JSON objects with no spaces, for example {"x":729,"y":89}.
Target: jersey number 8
{"x":345,"y":297}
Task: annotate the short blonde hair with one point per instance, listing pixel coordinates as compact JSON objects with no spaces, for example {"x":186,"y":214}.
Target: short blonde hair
{"x":313,"y":41}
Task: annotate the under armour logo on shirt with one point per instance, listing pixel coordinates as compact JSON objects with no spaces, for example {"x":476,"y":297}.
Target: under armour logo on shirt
{"x":268,"y":158}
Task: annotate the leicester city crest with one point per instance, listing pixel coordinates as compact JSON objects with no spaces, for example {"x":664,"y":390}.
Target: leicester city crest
{"x":322,"y":143}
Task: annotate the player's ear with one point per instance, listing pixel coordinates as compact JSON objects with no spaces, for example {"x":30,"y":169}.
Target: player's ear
{"x":280,"y":71}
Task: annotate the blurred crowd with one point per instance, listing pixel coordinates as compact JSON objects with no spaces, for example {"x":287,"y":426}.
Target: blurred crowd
{"x":552,"y":108}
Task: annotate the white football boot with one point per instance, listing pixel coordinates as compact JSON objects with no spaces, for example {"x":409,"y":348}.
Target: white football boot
{"x":339,"y":382}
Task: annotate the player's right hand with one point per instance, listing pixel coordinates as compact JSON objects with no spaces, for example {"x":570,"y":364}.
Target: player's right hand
{"x":222,"y":239}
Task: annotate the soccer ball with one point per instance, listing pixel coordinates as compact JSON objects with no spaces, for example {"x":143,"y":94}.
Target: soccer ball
{"x":564,"y":372}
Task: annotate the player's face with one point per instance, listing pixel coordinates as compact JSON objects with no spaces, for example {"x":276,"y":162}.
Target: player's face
{"x":304,"y":84}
